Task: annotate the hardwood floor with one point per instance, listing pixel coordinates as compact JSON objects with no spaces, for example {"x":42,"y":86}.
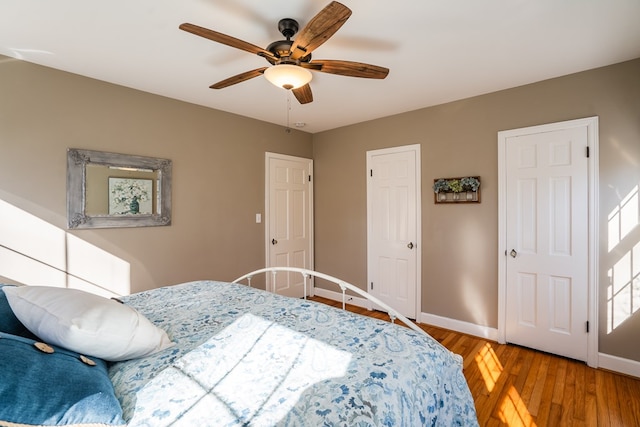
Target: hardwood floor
{"x":516,"y":386}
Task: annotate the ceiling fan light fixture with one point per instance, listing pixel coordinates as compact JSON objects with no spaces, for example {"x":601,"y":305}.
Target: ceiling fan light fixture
{"x":288,"y":76}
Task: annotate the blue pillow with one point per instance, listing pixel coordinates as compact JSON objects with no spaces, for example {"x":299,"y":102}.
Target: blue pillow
{"x":58,"y":388}
{"x":9,"y":323}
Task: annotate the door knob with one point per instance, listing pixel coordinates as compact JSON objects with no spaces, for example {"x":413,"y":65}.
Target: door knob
{"x":274,"y":242}
{"x":410,"y":245}
{"x":513,"y":253}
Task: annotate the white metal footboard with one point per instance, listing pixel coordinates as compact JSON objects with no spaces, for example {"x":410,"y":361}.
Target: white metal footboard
{"x":306,"y":274}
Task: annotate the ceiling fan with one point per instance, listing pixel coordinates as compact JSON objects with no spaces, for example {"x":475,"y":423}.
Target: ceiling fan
{"x":291,"y":59}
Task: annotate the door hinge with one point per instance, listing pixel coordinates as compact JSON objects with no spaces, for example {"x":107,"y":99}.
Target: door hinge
{"x":587,"y":151}
{"x":371,"y":285}
{"x":370,"y":172}
{"x":587,"y":326}
{"x":309,"y":178}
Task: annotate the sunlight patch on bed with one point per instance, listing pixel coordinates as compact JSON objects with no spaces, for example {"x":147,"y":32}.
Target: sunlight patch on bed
{"x":254,"y":371}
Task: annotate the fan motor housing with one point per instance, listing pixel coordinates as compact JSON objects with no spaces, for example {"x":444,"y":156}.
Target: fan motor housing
{"x":280,"y":48}
{"x":288,"y":27}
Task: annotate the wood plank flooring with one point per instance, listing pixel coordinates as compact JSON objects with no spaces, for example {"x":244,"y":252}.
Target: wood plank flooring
{"x":516,"y":386}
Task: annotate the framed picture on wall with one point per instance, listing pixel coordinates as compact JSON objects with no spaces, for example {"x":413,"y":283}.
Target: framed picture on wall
{"x":130,"y":196}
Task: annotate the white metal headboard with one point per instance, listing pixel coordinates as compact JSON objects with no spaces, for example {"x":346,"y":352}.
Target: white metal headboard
{"x":306,"y":274}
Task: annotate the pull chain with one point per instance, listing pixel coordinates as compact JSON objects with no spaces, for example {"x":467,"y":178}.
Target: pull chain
{"x":288,"y":128}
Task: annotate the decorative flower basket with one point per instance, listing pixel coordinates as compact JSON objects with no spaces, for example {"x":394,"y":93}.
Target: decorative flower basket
{"x":457,"y":190}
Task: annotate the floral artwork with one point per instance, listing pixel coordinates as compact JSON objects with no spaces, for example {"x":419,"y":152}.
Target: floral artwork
{"x":130,"y":196}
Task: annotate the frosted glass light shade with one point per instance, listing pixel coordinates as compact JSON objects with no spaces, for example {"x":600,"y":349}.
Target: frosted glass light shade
{"x":288,"y":76}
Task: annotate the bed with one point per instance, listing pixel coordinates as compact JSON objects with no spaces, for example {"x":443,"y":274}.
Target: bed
{"x":241,"y":356}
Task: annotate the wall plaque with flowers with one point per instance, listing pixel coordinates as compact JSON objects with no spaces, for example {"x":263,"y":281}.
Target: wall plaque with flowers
{"x":457,"y":190}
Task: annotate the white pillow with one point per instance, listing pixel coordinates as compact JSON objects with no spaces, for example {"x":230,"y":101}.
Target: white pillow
{"x":86,"y":323}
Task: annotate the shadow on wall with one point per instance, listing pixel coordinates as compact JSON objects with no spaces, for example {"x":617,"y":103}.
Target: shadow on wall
{"x":34,"y":252}
{"x":623,"y":236}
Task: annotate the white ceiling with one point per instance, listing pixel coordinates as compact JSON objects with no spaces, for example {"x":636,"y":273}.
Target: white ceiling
{"x":437,"y":50}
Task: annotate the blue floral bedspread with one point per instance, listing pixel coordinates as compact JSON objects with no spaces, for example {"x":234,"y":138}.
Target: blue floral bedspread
{"x":246,"y":357}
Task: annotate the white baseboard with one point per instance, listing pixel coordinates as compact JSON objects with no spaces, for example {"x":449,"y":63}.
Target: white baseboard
{"x":618,"y":364}
{"x":337,"y":296}
{"x":460,"y":326}
{"x":430,"y":319}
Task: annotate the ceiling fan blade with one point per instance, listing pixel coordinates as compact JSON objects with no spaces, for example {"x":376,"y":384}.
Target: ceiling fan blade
{"x":303,"y":94}
{"x":319,"y":29}
{"x":239,"y":78}
{"x":351,"y":68}
{"x":311,"y":66}
{"x":225,"y":39}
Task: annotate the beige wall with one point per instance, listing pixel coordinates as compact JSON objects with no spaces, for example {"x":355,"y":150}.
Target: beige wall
{"x":460,"y":244}
{"x":218,"y":169}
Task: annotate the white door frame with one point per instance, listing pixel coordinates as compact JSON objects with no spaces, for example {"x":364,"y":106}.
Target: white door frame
{"x":267,"y":241}
{"x":591,"y":123}
{"x":418,"y":246}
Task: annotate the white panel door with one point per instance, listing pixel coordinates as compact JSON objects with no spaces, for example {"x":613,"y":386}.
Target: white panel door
{"x":393,"y":228}
{"x":289,"y":221}
{"x":547,"y":241}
